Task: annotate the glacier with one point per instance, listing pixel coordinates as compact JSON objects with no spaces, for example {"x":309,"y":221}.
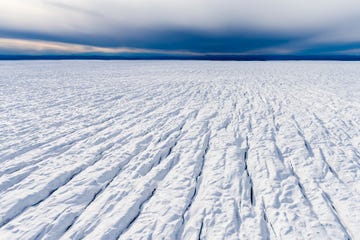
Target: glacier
{"x":179,"y":150}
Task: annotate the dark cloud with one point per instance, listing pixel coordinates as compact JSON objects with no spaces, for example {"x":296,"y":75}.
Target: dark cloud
{"x":200,"y":26}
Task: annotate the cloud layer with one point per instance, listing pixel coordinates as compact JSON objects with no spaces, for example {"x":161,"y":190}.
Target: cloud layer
{"x":197,"y":26}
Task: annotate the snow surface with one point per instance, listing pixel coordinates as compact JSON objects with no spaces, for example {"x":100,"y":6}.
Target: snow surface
{"x":179,"y":150}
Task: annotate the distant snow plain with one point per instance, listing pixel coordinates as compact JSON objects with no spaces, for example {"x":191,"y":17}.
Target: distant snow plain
{"x":179,"y":150}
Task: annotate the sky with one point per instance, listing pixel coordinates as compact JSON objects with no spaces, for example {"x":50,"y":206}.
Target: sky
{"x":180,"y":28}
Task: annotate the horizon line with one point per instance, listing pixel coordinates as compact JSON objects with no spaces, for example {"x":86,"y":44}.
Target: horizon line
{"x":180,"y":57}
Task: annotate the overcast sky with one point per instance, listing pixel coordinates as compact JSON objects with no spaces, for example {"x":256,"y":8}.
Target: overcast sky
{"x":196,"y":27}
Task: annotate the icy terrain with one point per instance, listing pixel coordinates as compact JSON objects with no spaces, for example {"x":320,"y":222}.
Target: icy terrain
{"x":179,"y":150}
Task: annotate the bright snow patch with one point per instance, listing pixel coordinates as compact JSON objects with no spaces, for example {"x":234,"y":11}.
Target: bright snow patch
{"x":179,"y":150}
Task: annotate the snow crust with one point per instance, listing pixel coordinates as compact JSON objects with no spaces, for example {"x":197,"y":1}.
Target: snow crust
{"x":179,"y":150}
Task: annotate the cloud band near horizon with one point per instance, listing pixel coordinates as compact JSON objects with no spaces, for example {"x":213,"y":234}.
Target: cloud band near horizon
{"x":172,"y":27}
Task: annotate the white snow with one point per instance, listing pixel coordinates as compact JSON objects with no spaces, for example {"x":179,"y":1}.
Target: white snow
{"x":179,"y":150}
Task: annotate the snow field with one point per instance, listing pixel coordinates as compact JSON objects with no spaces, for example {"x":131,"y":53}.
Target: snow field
{"x":179,"y":150}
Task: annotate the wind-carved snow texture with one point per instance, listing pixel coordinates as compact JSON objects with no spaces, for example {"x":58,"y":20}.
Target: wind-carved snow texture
{"x":179,"y":150}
